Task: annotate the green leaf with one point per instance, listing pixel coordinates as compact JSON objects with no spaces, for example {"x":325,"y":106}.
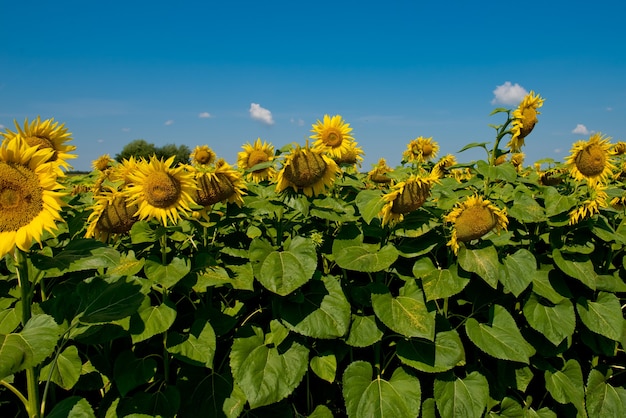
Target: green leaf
{"x":566,"y":385}
{"x":557,"y":203}
{"x":196,"y":348}
{"x":482,"y":261}
{"x":357,"y":256}
{"x":77,"y":255}
{"x":577,"y":266}
{"x":128,"y":265}
{"x":397,"y":397}
{"x":405,"y":314}
{"x":325,"y":366}
{"x":604,"y":316}
{"x":72,"y":407}
{"x":166,"y":275}
{"x":324,"y":312}
{"x":527,"y":210}
{"x":500,"y":337}
{"x":234,"y":404}
{"x":141,"y":233}
{"x":263,"y":373}
{"x":9,"y":320}
{"x":445,"y":353}
{"x":462,"y":397}
{"x":443,"y":283}
{"x":474,"y":145}
{"x":603,"y":399}
{"x":518,"y":271}
{"x":108,"y":300}
{"x":321,"y":411}
{"x":555,"y":322}
{"x":130,"y":371}
{"x":152,"y":320}
{"x":363,"y":331}
{"x":369,"y":203}
{"x":282,"y":272}
{"x":30,"y":347}
{"x":65,"y":370}
{"x":544,"y":288}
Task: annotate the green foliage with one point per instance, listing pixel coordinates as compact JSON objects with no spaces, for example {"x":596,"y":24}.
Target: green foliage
{"x":140,"y":148}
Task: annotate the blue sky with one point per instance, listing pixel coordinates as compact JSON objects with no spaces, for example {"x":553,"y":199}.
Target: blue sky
{"x":226,"y":73}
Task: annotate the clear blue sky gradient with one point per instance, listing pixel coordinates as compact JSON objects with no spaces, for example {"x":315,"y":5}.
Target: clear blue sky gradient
{"x":116,"y":71}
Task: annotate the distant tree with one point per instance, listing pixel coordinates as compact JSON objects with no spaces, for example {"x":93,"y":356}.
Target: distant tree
{"x":140,"y":148}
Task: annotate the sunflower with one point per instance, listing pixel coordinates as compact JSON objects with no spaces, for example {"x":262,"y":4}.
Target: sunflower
{"x":597,"y":198}
{"x":405,"y":197}
{"x":222,"y":183}
{"x":524,"y":120}
{"x":111,"y":216}
{"x":332,"y":135}
{"x":379,"y":173}
{"x":591,"y":160}
{"x":202,"y":155}
{"x":473,"y":218}
{"x":619,"y":148}
{"x":29,"y":198}
{"x":160,"y":191}
{"x":257,"y":154}
{"x":307,"y":169}
{"x":352,"y":157}
{"x":443,"y":165}
{"x":461,"y":174}
{"x":420,"y":150}
{"x":102,"y":162}
{"x":46,"y":134}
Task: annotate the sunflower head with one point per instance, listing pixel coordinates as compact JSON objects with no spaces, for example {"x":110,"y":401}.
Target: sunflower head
{"x":379,"y":173}
{"x":46,"y":134}
{"x":405,"y":197}
{"x":252,"y":155}
{"x":332,"y":135}
{"x":473,"y":218}
{"x":524,"y":120}
{"x":29,"y":198}
{"x":619,"y":148}
{"x":111,"y":216}
{"x":202,"y":155}
{"x":102,"y":162}
{"x":420,"y":150}
{"x":222,"y":184}
{"x":308,"y":170}
{"x":443,"y":165}
{"x":352,"y":156}
{"x":591,"y":160}
{"x":596,"y":199}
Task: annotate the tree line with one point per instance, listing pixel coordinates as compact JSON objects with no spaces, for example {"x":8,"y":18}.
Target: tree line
{"x":140,"y":148}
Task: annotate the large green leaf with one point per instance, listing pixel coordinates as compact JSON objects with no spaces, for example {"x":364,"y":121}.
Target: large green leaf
{"x":363,"y":331}
{"x":369,"y":203}
{"x":197,"y":347}
{"x":166,"y":275}
{"x":443,"y":283}
{"x":500,"y":337}
{"x":466,"y":397}
{"x":9,"y":320}
{"x":325,"y":366}
{"x":108,"y":300}
{"x":265,"y":374}
{"x":527,"y":210}
{"x":578,"y":266}
{"x":77,"y":255}
{"x":321,"y":411}
{"x":555,"y":321}
{"x":556,"y":202}
{"x":30,"y":347}
{"x":282,"y":272}
{"x":128,"y":265}
{"x":566,"y":385}
{"x":151,"y":320}
{"x":443,"y":354}
{"x":406,"y":314}
{"x":517,"y":271}
{"x":397,"y":397}
{"x":604,"y":316}
{"x":72,"y":407}
{"x":324,"y":312}
{"x":482,"y":261}
{"x":64,"y":370}
{"x":358,"y":256}
{"x":603,"y":399}
{"x":131,"y":371}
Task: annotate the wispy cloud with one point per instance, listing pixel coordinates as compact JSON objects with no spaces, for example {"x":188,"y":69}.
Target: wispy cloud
{"x":508,"y":94}
{"x":299,"y":122}
{"x":580,"y":129}
{"x":261,"y":114}
{"x":169,"y":122}
{"x":609,"y":109}
{"x":205,"y":115}
{"x":125,"y":129}
{"x":1,"y":126}
{"x":100,"y":141}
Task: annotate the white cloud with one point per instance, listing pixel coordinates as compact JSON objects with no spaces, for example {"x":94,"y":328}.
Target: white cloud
{"x":261,"y":114}
{"x":1,"y":126}
{"x":100,"y":141}
{"x":609,"y":109}
{"x":580,"y":129}
{"x":125,"y":129}
{"x":298,"y":121}
{"x":508,"y":94}
{"x":204,"y":115}
{"x":169,"y":122}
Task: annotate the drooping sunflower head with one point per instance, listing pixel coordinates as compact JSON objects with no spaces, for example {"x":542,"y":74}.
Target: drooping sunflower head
{"x":160,"y":191}
{"x":420,"y":150}
{"x":352,"y":156}
{"x":461,"y":174}
{"x":443,"y":165}
{"x":222,"y":184}
{"x":111,"y":216}
{"x":202,"y":155}
{"x":252,"y":155}
{"x":29,"y":198}
{"x":405,"y":197}
{"x":596,"y":198}
{"x":102,"y":162}
{"x":332,"y":135}
{"x":524,"y":120}
{"x":308,"y":170}
{"x":46,"y":134}
{"x":619,"y":148}
{"x":591,"y":160}
{"x":379,"y":173}
{"x":473,"y":218}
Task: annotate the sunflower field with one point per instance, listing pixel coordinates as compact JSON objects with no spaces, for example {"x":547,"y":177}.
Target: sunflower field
{"x":292,"y":284}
